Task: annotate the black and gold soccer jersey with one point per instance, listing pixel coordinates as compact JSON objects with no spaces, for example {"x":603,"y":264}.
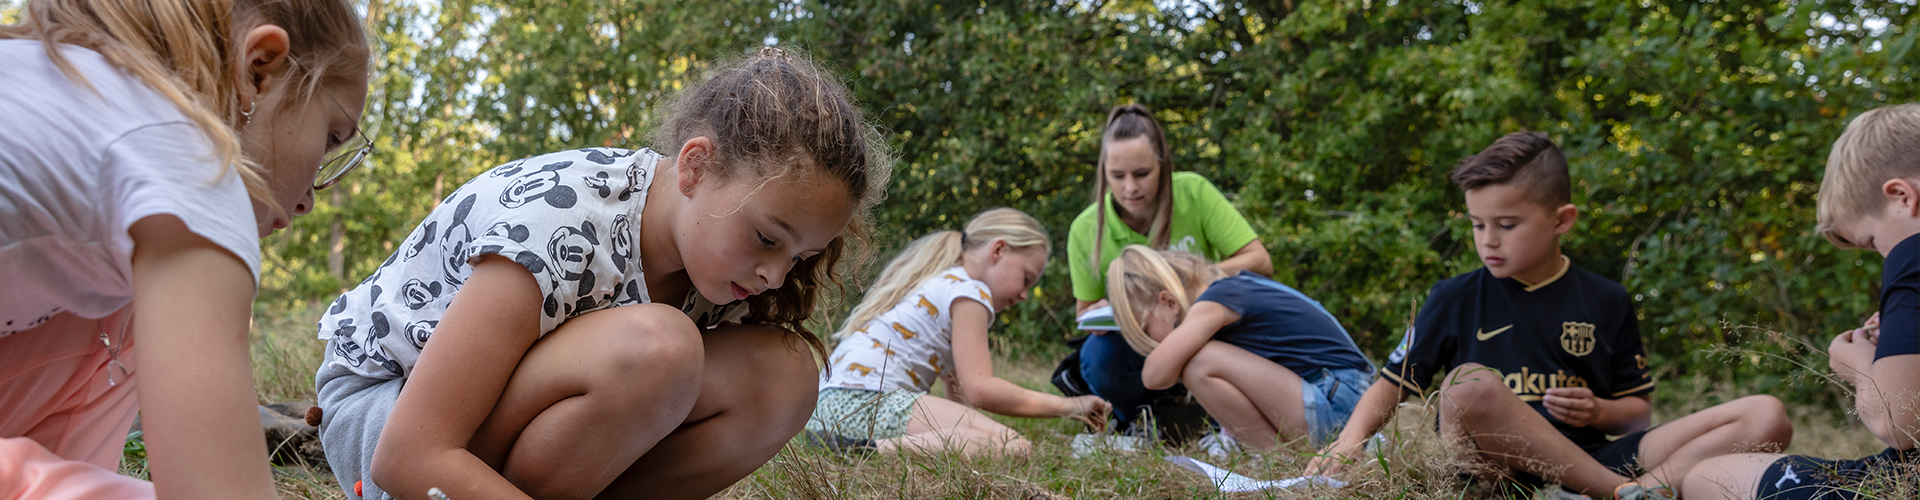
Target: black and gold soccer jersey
{"x":1574,"y":330}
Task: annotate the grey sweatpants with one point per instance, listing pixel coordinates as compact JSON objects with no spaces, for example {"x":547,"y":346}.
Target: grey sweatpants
{"x":354,"y":410}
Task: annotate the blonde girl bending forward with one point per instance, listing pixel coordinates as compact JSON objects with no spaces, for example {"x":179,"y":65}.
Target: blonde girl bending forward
{"x":1266,"y":361}
{"x":926,"y":319}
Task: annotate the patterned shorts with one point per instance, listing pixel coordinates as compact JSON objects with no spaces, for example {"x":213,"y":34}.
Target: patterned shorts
{"x":863,"y":414}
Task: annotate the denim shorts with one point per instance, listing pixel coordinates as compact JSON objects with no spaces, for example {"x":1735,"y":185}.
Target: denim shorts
{"x":1329,"y":396}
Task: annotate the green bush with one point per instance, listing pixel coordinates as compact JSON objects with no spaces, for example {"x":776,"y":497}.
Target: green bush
{"x":1697,"y":131}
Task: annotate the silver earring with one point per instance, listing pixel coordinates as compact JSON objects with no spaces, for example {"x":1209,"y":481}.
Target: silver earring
{"x":247,"y":116}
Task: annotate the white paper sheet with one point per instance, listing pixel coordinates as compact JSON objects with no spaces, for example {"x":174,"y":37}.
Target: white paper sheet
{"x":1230,"y":482}
{"x":1089,"y":444}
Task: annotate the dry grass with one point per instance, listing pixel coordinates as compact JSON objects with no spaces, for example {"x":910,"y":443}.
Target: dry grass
{"x":1419,"y":466}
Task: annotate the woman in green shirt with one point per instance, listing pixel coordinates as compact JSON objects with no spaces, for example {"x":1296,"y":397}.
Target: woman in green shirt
{"x":1141,"y":200}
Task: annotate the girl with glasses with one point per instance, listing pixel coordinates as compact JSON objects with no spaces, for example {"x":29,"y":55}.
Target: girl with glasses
{"x":148,"y":146}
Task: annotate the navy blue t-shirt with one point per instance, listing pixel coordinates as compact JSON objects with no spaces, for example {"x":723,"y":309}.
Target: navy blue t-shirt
{"x":1900,"y":301}
{"x":1576,"y":329}
{"x":1283,"y":325}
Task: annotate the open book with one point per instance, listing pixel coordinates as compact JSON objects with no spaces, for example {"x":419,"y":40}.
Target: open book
{"x":1098,"y":319}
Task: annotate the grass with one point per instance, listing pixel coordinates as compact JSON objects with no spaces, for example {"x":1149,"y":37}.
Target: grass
{"x":1419,"y":466}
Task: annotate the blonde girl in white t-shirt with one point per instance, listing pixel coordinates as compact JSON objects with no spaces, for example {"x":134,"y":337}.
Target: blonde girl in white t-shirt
{"x":926,"y":319}
{"x":146,"y":147}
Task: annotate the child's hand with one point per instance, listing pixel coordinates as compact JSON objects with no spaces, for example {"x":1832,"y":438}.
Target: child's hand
{"x":1574,"y":405}
{"x":1872,"y":329}
{"x":1851,"y":354}
{"x":1089,"y":409}
{"x":1333,"y":460}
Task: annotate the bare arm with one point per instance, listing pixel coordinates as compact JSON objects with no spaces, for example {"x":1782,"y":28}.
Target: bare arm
{"x":192,"y":300}
{"x":1080,"y":307}
{"x":1886,"y":391}
{"x":1166,"y":362}
{"x":1620,"y":417}
{"x":973,"y":366}
{"x":1251,"y":258}
{"x":490,"y":325}
{"x":1375,"y":408}
{"x":1889,"y":403}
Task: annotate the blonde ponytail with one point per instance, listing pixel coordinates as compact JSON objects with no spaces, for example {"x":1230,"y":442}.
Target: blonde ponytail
{"x":939,"y":251}
{"x":1138,"y":275}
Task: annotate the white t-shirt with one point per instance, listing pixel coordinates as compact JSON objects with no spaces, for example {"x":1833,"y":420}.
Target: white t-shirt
{"x":572,"y":218}
{"x":79,"y":167}
{"x":910,"y":345}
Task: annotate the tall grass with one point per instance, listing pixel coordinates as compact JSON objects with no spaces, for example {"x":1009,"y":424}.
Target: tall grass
{"x":1419,"y":465}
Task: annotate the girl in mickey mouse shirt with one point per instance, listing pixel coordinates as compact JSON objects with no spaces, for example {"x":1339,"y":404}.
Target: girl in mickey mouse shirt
{"x":566,"y":325}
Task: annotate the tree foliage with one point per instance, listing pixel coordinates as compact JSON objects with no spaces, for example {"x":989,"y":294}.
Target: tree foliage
{"x":1697,"y":131}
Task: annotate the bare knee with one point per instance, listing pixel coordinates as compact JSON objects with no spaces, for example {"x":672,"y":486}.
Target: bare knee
{"x":650,"y":342}
{"x":1470,"y":390}
{"x":1767,"y":417}
{"x":1206,"y":362}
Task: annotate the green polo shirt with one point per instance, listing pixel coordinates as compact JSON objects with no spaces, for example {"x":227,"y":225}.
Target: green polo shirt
{"x":1204,"y":223}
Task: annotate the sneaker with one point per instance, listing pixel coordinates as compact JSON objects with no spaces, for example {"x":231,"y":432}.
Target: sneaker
{"x":1377,"y":444}
{"x":1636,"y":491}
{"x":1218,"y":444}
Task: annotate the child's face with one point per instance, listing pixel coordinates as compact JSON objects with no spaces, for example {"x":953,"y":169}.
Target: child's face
{"x":739,"y":237}
{"x":1899,"y":220}
{"x":1133,"y":174}
{"x":1161,"y":317}
{"x":1013,"y":274}
{"x":289,"y":139}
{"x":1514,"y":234}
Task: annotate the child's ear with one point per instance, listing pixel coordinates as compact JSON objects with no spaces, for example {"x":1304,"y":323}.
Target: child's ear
{"x":265,"y":62}
{"x":1902,"y":196}
{"x":1564,"y":217}
{"x":1166,"y":299}
{"x":693,"y":163}
{"x":995,"y":251}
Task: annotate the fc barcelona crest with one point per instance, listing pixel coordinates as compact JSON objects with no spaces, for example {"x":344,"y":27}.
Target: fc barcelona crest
{"x":1577,"y":338}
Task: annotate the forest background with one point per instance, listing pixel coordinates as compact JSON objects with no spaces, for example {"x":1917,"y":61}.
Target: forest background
{"x":1697,"y":133}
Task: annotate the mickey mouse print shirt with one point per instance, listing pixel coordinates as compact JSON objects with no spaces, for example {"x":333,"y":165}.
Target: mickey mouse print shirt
{"x":910,"y":345}
{"x":569,"y":217}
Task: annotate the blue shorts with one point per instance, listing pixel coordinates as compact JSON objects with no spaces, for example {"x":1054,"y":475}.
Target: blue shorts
{"x":1329,"y":396}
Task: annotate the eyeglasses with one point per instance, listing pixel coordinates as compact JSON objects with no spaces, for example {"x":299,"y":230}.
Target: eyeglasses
{"x":344,"y":158}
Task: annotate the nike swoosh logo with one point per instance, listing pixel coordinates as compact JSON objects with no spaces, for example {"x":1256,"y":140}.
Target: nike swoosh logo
{"x":1483,"y":335}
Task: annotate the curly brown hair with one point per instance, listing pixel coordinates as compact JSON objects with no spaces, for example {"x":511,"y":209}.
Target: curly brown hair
{"x":771,"y":113}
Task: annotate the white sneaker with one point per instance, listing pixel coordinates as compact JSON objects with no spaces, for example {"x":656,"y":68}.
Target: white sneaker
{"x":1218,"y":444}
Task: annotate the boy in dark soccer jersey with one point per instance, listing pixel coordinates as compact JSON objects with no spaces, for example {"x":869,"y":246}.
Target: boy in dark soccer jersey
{"x":1869,"y":199}
{"x":1541,"y":360}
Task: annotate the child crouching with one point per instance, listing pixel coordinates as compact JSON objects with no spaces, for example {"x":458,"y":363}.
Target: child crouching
{"x":1267,"y":362}
{"x":926,"y":319}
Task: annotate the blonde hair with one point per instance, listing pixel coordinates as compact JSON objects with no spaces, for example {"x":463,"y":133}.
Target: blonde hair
{"x":1127,"y":122}
{"x":936,"y":252}
{"x":1138,"y":275}
{"x":186,"y":50}
{"x":1879,"y":145}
